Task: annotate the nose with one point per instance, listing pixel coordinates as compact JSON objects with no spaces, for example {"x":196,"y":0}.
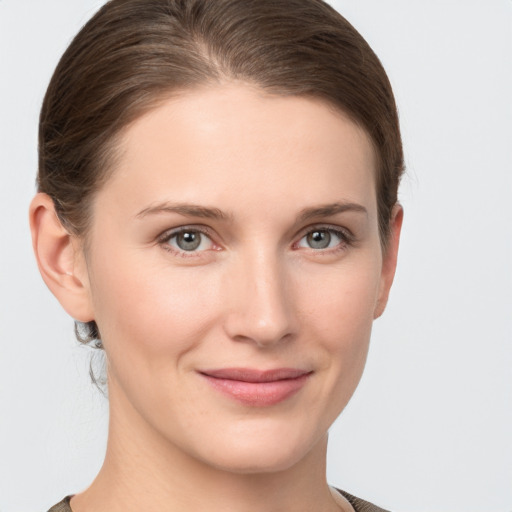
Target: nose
{"x":260,"y":306}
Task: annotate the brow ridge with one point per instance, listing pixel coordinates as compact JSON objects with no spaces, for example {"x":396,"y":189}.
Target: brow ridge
{"x":191,"y":210}
{"x":208,"y":212}
{"x":330,"y":209}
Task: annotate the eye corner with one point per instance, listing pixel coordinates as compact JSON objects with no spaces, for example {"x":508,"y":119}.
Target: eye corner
{"x":200,"y":243}
{"x":329,"y":234}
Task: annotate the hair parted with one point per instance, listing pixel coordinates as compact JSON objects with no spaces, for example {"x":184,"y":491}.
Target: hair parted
{"x":132,"y":54}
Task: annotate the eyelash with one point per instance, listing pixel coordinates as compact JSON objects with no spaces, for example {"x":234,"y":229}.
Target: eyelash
{"x":347,"y":239}
{"x":164,"y":239}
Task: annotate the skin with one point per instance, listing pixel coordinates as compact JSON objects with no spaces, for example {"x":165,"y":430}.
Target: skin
{"x":254,"y":294}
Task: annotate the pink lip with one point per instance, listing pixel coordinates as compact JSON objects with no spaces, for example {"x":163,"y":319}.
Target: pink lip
{"x":257,"y":388}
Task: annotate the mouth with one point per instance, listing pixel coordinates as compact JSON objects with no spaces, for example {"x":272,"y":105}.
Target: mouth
{"x":257,"y":388}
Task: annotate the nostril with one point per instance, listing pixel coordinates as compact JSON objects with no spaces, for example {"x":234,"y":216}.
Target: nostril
{"x":263,"y":338}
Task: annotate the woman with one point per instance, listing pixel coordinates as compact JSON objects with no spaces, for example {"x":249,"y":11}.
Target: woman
{"x":217,"y":210}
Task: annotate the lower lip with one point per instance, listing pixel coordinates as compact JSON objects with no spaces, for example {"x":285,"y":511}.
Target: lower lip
{"x":258,"y":394}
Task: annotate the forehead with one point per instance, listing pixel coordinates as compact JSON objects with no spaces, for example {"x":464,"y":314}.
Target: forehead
{"x":238,"y":145}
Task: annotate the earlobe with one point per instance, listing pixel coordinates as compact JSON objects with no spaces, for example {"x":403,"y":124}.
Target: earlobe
{"x":389,"y":259}
{"x":59,"y":259}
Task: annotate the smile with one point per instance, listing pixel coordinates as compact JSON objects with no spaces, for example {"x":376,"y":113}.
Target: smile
{"x":257,"y":388}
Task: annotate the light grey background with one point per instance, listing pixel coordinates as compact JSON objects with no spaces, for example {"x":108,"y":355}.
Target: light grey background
{"x":430,"y":428}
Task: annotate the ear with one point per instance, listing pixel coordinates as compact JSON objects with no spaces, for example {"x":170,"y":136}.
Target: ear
{"x":60,"y":259}
{"x":389,"y":259}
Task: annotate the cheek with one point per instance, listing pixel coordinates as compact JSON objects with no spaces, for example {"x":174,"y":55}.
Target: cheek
{"x":337,"y":313}
{"x":154,"y":309}
{"x":342,"y":300}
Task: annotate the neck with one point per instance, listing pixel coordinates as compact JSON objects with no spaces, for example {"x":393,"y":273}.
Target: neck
{"x":144,"y":471}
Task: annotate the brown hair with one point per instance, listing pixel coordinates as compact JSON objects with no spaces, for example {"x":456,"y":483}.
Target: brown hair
{"x":133,"y":53}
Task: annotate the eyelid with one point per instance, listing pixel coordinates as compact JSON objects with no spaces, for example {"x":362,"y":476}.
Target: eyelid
{"x":168,"y":234}
{"x":346,"y":236}
{"x":344,"y":233}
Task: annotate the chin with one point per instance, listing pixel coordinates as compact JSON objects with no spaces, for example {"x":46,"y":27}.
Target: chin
{"x":260,"y":462}
{"x":262,"y":451}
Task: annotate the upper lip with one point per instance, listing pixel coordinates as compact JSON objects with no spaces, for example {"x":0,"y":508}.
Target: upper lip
{"x":255,"y":375}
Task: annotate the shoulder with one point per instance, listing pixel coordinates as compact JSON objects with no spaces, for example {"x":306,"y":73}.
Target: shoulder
{"x":360,"y":505}
{"x":63,"y":506}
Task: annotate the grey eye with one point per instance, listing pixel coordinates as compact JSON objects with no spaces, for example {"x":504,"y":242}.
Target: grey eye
{"x":324,"y":238}
{"x":319,"y":239}
{"x":188,"y":240}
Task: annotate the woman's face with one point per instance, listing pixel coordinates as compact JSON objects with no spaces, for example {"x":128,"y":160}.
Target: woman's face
{"x":234,"y":270}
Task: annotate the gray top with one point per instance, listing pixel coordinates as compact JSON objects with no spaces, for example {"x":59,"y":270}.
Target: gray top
{"x":358,"y":504}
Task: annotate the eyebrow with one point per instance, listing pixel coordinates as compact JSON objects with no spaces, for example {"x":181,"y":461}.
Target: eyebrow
{"x":191,"y":210}
{"x":206,"y":212}
{"x":329,"y":210}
